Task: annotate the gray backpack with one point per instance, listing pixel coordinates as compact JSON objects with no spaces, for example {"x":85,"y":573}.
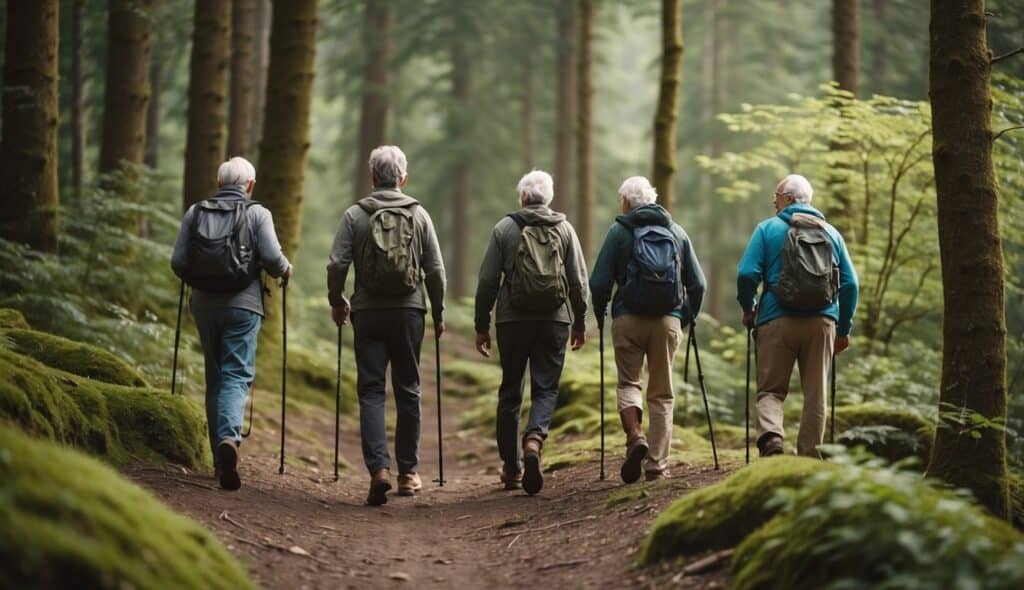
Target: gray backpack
{"x":388,"y":263}
{"x":538,"y":281}
{"x":810,"y":277}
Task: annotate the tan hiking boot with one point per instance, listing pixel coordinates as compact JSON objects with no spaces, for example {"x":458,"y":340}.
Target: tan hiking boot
{"x":770,"y":444}
{"x":636,"y":445}
{"x":409,"y":484}
{"x":533,"y":479}
{"x":512,"y":481}
{"x":655,"y":474}
{"x":380,"y":484}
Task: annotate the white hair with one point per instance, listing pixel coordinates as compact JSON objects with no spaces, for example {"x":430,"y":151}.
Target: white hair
{"x":388,"y":164}
{"x":536,"y":188}
{"x":797,"y":187}
{"x":236,"y":171}
{"x":636,"y":191}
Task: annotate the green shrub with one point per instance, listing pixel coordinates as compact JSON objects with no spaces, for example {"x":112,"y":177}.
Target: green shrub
{"x":892,"y":433}
{"x":862,"y":526}
{"x":12,"y":319}
{"x":67,"y":521}
{"x":74,"y":357}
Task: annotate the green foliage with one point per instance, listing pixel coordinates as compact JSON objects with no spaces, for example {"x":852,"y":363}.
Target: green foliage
{"x":67,"y":521}
{"x":76,"y":358}
{"x":11,"y":319}
{"x":467,"y":378}
{"x":1016,"y":485}
{"x":893,"y":433}
{"x":866,"y":526}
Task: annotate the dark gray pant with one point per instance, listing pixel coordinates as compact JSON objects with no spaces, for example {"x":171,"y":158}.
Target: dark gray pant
{"x":384,"y":336}
{"x":542,"y":343}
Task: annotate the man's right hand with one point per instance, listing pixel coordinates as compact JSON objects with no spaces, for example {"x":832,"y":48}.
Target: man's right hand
{"x":749,"y":317}
{"x":340,"y":314}
{"x":841,"y":344}
{"x":483,"y":344}
{"x":287,"y":274}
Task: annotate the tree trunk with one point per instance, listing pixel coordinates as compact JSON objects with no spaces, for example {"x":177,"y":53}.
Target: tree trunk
{"x":243,"y":25}
{"x":126,"y":98}
{"x":668,"y":101}
{"x":527,"y":112}
{"x":151,"y":155}
{"x":261,"y":49}
{"x":206,"y":141}
{"x":460,"y":131}
{"x":28,"y":155}
{"x":77,"y":99}
{"x":566,"y":107}
{"x":846,"y":43}
{"x":974,"y":326}
{"x":584,"y":145}
{"x":716,"y":94}
{"x":880,"y":50}
{"x":286,"y":126}
{"x":373,"y":116}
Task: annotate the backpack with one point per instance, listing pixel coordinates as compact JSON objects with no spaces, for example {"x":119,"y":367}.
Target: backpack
{"x":389,"y":264}
{"x":810,"y":277}
{"x":538,"y":282}
{"x":652,"y":284}
{"x":220,"y":246}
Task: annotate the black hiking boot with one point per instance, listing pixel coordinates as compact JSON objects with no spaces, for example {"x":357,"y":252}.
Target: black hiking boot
{"x":770,"y":444}
{"x":380,"y":485}
{"x":227,"y":465}
{"x":533,"y":479}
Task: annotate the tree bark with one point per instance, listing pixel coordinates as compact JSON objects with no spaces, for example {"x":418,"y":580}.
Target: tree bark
{"x":261,"y":51}
{"x":77,"y":99}
{"x":880,"y":49}
{"x":715,"y":98}
{"x":846,"y":43}
{"x":668,"y":102}
{"x":527,"y":110}
{"x":206,"y":141}
{"x":970,"y":250}
{"x":28,"y":154}
{"x":565,"y":130}
{"x":243,"y":25}
{"x":151,"y":154}
{"x":584,"y":142}
{"x":373,"y":116}
{"x":460,"y":131}
{"x":286,"y":125}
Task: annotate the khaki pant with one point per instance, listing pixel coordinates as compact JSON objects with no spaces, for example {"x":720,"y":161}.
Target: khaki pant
{"x":656,"y":338}
{"x":808,"y":341}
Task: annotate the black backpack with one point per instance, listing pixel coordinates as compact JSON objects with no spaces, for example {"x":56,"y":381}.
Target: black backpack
{"x":220,"y":246}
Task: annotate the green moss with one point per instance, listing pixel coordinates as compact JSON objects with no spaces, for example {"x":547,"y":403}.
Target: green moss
{"x":67,"y":521}
{"x":626,"y":496}
{"x":1016,"y":482}
{"x":721,"y":515}
{"x":886,"y":431}
{"x":311,"y":378}
{"x":465,"y":378}
{"x":11,"y":319}
{"x":74,"y":357}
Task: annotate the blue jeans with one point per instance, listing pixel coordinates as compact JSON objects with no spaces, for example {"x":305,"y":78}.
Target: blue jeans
{"x":229,"y":347}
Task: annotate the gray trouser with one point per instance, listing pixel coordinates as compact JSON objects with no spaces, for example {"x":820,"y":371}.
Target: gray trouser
{"x":384,"y":336}
{"x":542,"y":343}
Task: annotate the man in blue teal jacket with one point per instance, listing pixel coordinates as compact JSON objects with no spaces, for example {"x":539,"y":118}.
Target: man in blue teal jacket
{"x":785,"y":336}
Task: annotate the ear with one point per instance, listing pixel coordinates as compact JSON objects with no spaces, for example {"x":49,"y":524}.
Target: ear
{"x":403,"y":182}
{"x":250,"y":187}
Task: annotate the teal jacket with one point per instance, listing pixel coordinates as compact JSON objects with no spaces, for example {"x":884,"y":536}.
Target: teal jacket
{"x":616,"y":251}
{"x":762,"y":263}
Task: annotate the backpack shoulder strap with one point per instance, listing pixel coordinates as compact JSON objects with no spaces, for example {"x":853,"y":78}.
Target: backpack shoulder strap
{"x":518,"y":219}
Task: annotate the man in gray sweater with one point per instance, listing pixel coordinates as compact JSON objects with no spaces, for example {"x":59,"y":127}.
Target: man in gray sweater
{"x":229,"y":321}
{"x":535,"y":270}
{"x":390,"y":239}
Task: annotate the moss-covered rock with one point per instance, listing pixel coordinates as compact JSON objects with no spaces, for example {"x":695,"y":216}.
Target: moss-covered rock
{"x":721,"y":515}
{"x":67,"y":521}
{"x":12,"y":319}
{"x":890,"y":432}
{"x":74,"y":357}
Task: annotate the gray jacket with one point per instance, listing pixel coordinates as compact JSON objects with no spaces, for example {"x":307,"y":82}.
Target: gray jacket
{"x":266,"y":247}
{"x":352,"y":232}
{"x":497,"y":267}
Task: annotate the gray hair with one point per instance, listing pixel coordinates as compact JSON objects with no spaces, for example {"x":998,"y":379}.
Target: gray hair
{"x":797,"y":187}
{"x":536,"y":188}
{"x":388,"y":165}
{"x":236,"y":171}
{"x":636,"y":191}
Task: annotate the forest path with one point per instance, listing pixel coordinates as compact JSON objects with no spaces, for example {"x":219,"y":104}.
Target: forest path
{"x":304,"y":530}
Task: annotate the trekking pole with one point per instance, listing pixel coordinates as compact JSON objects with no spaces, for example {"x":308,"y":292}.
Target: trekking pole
{"x":177,"y":338}
{"x":746,"y":406}
{"x":703,"y":390}
{"x":600,"y":346}
{"x":252,"y":410}
{"x":832,"y":426}
{"x":284,"y":363}
{"x":437,"y":366}
{"x":337,"y":409}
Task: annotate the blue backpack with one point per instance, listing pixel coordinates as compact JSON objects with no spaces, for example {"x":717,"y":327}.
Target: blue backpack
{"x":652,"y":275}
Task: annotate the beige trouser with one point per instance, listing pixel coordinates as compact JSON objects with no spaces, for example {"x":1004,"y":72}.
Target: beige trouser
{"x":809,"y":341}
{"x":657,"y":338}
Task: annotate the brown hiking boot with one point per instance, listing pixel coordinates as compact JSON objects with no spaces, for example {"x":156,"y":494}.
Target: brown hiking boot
{"x":655,"y":474}
{"x":380,"y":484}
{"x":770,"y":444}
{"x":533,"y":479}
{"x":409,"y":484}
{"x":227,"y":465}
{"x":636,"y":444}
{"x":512,"y":481}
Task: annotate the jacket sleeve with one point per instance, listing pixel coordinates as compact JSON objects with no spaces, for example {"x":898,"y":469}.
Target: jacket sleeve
{"x":576,"y":273}
{"x":488,"y":283}
{"x":432,"y":264}
{"x":602,"y":280}
{"x":339,"y":261}
{"x":179,"y":256}
{"x":693,"y":279}
{"x":272,"y":259}
{"x":849,"y":290}
{"x":750,"y":272}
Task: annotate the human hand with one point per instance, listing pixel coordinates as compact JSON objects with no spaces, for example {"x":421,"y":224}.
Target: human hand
{"x":748,"y":318}
{"x":842,"y":343}
{"x":439,"y":328}
{"x":287,"y":274}
{"x":578,"y":339}
{"x":340,"y":314}
{"x":483,"y":344}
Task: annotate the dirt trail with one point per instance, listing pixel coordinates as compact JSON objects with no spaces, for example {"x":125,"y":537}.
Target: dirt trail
{"x":304,"y":530}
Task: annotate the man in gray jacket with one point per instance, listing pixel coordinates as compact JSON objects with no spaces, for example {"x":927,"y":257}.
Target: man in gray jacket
{"x":390,"y":239}
{"x":229,"y":321}
{"x":535,"y":270}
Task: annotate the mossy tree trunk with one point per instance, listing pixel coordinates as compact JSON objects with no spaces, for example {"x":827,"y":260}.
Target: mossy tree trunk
{"x":970,"y":249}
{"x":373,"y":116}
{"x":77,"y":99}
{"x":151,"y":152}
{"x":206,"y":142}
{"x":846,"y":72}
{"x":668,"y":101}
{"x":584,"y":129}
{"x":565,"y":116}
{"x":28,"y":155}
{"x":243,"y":28}
{"x":261,"y":50}
{"x":460,"y":127}
{"x":715,"y":45}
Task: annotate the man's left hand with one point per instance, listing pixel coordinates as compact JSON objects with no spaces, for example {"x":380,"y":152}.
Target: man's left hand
{"x":578,"y":339}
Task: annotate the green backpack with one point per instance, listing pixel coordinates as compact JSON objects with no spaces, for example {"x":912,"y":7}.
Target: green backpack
{"x":809,"y":280}
{"x":538,"y":280}
{"x":388,"y":263}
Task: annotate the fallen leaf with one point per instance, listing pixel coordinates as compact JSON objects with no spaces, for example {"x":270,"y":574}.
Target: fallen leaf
{"x":295,"y":549}
{"x":400,"y":576}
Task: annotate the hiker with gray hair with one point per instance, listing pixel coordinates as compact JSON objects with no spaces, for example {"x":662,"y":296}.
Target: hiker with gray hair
{"x":803,"y":315}
{"x":390,"y":240}
{"x":534,"y":270}
{"x":227,"y":302}
{"x":660,"y":288}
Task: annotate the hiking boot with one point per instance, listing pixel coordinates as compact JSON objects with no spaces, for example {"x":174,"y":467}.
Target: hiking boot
{"x":380,"y":484}
{"x":409,"y":484}
{"x":533,"y":480}
{"x":770,"y":444}
{"x":227,"y":465}
{"x":636,"y":444}
{"x":513,"y":480}
{"x":655,"y":474}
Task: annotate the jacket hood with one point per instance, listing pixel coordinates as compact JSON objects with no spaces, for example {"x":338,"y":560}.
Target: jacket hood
{"x":653,"y":214}
{"x":385,"y":198}
{"x":787,"y":213}
{"x":540,"y":215}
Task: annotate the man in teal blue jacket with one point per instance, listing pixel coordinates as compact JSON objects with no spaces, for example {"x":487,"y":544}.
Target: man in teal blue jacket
{"x":785,"y":336}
